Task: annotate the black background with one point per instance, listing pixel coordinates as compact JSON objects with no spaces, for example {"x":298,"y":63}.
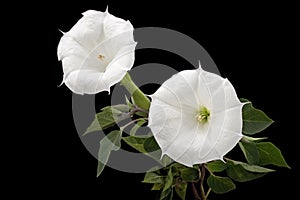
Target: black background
{"x":251,"y":44}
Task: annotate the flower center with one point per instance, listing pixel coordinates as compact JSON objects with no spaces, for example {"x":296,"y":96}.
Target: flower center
{"x":101,"y":57}
{"x":203,"y":115}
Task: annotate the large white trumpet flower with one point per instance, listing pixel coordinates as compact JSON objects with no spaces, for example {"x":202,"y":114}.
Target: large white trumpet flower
{"x":196,"y":117}
{"x":97,"y":52}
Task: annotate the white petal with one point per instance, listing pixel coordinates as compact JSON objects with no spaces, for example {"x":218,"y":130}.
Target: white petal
{"x":68,"y":46}
{"x":180,"y":90}
{"x":167,"y":127}
{"x":113,"y":25}
{"x":88,"y":31}
{"x":85,"y":82}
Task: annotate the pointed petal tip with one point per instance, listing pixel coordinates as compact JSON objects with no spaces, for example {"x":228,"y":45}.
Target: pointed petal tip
{"x":61,"y":31}
{"x":200,"y":67}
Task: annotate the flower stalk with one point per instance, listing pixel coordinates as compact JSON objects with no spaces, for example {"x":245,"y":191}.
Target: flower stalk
{"x":138,"y":96}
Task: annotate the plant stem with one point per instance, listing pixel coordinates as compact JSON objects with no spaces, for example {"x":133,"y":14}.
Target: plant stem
{"x":196,"y":195}
{"x":202,"y":176}
{"x":131,"y":122}
{"x":138,"y":96}
{"x":207,"y":193}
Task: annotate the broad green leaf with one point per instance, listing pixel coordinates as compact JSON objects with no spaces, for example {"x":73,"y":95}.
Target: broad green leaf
{"x":151,"y":145}
{"x":270,"y":154}
{"x":256,"y":168}
{"x":108,"y":117}
{"x":95,"y":126}
{"x":251,"y":168}
{"x":219,"y":184}
{"x":152,"y":177}
{"x":250,"y":152}
{"x":189,"y":174}
{"x":167,"y":194}
{"x":157,"y":186}
{"x":136,"y":142}
{"x":216,"y":166}
{"x":111,"y":142}
{"x":168,"y":180}
{"x":180,"y":189}
{"x":254,"y":120}
{"x":177,"y":166}
{"x":238,"y":173}
{"x":140,"y":123}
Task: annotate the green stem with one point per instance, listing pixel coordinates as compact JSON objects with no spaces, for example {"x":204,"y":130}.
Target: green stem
{"x":202,"y":176}
{"x":209,"y":190}
{"x":138,"y":96}
{"x":131,"y":122}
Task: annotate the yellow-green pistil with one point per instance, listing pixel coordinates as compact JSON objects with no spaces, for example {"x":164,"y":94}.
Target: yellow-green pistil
{"x":203,"y":115}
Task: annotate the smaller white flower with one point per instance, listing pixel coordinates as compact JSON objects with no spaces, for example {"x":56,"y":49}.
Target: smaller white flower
{"x":97,"y":52}
{"x":196,"y":117}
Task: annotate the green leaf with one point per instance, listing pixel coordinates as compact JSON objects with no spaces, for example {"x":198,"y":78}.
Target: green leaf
{"x":157,"y":186}
{"x":251,"y":168}
{"x":140,"y":123}
{"x":238,"y":173}
{"x":178,"y":166}
{"x":256,"y":168}
{"x":254,"y":120}
{"x":216,"y":166}
{"x":168,"y":180}
{"x":151,"y":145}
{"x":180,"y":189}
{"x":136,"y":142}
{"x":166,"y":160}
{"x":167,"y":194}
{"x":108,"y":117}
{"x":189,"y":174}
{"x":262,"y":153}
{"x":152,"y":177}
{"x":270,"y":154}
{"x":250,"y":152}
{"x":111,"y":142}
{"x":95,"y":126}
{"x":219,"y":184}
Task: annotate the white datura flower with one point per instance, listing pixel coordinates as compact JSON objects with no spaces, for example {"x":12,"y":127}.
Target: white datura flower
{"x":196,"y":117}
{"x":96,"y":53}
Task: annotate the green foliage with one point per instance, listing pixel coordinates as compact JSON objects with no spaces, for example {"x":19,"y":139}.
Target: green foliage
{"x":139,"y":123}
{"x":136,"y":142}
{"x":174,"y":177}
{"x":237,"y":172}
{"x":216,"y":166}
{"x":254,"y":120}
{"x":220,"y":184}
{"x":262,"y":153}
{"x":151,"y":145}
{"x":189,"y":174}
{"x":112,"y":142}
{"x":180,"y":189}
{"x":108,"y":117}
